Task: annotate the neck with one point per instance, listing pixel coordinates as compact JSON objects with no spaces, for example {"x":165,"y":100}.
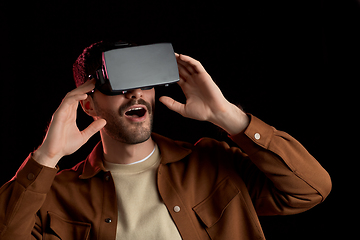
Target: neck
{"x":123,"y":153}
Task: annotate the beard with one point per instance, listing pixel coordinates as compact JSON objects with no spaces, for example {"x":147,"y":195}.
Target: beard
{"x":120,"y":129}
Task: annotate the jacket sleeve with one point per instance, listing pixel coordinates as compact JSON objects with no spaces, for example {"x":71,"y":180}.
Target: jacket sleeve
{"x":21,"y":198}
{"x":290,"y":180}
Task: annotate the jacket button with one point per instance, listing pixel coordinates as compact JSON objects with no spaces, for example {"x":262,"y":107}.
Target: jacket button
{"x":30,"y":176}
{"x":257,"y":136}
{"x":108,"y":220}
{"x":176,"y":209}
{"x":107,"y":177}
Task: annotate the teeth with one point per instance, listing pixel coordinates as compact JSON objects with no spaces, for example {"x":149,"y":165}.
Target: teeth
{"x":136,"y":112}
{"x":134,"y":109}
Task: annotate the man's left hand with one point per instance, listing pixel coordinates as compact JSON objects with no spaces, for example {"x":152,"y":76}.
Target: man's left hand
{"x":204,"y":99}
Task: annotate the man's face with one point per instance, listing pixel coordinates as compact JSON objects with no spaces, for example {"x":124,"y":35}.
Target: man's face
{"x":129,"y":116}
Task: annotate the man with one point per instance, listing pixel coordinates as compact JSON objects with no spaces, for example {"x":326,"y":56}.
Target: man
{"x":139,"y":185}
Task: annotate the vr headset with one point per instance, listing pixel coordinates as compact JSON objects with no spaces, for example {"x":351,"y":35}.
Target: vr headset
{"x":130,"y":67}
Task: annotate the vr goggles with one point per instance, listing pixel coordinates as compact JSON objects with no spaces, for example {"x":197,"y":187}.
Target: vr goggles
{"x":130,"y":67}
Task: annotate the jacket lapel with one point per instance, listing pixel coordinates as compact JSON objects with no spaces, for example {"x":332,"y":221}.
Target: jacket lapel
{"x":94,"y":163}
{"x":170,"y":150}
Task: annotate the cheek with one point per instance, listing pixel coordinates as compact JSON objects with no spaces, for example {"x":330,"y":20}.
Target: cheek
{"x":107,"y":103}
{"x":149,"y":95}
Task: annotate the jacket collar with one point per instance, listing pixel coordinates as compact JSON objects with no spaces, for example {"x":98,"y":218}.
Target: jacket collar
{"x":170,"y":150}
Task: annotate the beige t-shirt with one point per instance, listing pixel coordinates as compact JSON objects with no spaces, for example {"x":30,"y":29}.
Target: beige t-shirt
{"x":141,"y":212}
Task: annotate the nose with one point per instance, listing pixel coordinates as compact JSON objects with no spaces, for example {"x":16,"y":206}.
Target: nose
{"x":135,"y":93}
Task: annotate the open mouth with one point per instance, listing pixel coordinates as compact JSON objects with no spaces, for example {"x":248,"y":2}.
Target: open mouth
{"x":136,"y":112}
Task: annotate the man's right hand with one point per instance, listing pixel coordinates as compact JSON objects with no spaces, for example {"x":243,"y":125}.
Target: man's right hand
{"x":63,"y":136}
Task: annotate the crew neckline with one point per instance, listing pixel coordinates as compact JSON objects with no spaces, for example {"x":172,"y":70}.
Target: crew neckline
{"x":139,"y":166}
{"x":142,"y":160}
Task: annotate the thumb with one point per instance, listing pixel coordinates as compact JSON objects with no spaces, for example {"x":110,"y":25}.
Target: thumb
{"x":93,"y":128}
{"x":173,"y":105}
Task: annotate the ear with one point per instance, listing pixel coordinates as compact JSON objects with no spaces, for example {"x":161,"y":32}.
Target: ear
{"x":88,"y":106}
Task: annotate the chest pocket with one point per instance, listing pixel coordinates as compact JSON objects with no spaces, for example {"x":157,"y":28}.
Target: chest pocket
{"x":212,"y":208}
{"x":66,"y":229}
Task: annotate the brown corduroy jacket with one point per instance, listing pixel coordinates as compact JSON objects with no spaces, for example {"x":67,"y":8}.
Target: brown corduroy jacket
{"x":211,"y":190}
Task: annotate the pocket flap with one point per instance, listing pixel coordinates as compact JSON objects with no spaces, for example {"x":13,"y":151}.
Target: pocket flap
{"x":67,"y":229}
{"x":212,"y":208}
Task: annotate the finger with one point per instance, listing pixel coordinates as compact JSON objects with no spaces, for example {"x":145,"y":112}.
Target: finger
{"x":172,"y":104}
{"x":196,"y":65}
{"x":184,"y":72}
{"x":181,"y":81}
{"x":69,"y":100}
{"x":84,"y":88}
{"x":93,"y":128}
{"x":88,"y":85}
{"x":185,"y":66}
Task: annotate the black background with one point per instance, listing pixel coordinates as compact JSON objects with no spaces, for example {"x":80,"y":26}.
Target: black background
{"x":294,"y":64}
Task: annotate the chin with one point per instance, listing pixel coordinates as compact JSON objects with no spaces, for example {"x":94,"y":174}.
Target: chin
{"x":133,"y":135}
